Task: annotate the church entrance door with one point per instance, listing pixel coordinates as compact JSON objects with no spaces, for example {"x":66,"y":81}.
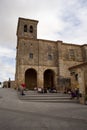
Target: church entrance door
{"x":31,"y":79}
{"x":48,"y":79}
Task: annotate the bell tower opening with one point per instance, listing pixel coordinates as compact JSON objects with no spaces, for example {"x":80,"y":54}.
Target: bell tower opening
{"x":31,"y":29}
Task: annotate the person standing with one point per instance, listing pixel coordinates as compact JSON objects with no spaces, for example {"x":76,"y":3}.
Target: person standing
{"x":23,"y":86}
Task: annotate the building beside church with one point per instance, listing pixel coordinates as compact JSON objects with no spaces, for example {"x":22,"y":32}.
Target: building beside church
{"x":44,"y":63}
{"x":79,"y":79}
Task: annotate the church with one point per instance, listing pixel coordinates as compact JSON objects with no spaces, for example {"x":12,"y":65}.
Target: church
{"x":45,"y":63}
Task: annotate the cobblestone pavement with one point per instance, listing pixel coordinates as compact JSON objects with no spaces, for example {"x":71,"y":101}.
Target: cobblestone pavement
{"x":16,"y":114}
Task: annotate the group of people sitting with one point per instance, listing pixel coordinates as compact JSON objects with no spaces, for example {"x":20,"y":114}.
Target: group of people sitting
{"x":74,"y":93}
{"x":39,"y":89}
{"x":47,"y":90}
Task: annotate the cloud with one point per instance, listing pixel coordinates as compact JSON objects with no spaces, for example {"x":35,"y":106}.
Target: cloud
{"x":7,"y":63}
{"x":74,"y":18}
{"x":58,"y":20}
{"x":7,"y":52}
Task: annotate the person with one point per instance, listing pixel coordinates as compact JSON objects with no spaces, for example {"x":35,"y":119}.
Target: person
{"x":73,"y":94}
{"x":39,"y":90}
{"x":77,"y":92}
{"x":35,"y":88}
{"x":23,"y":86}
{"x":45,"y":90}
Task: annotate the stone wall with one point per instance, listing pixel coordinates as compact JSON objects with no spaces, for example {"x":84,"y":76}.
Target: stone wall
{"x":70,"y":55}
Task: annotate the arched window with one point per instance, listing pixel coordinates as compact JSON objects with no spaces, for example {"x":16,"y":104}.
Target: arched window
{"x":31,"y":29}
{"x":25,"y":28}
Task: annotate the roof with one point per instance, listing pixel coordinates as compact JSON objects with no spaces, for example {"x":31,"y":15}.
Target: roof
{"x":78,"y":66}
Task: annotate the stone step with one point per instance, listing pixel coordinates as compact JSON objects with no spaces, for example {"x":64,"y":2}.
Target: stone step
{"x":43,"y":98}
{"x":50,"y":100}
{"x":46,"y":94}
{"x":47,"y":97}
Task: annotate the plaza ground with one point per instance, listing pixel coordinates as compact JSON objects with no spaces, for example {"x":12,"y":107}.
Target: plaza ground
{"x":18,"y":114}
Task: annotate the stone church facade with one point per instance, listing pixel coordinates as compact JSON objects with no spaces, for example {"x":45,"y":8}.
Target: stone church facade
{"x":44,"y":63}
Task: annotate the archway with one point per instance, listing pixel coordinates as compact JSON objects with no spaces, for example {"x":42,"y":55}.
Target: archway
{"x":31,"y":79}
{"x":48,"y":79}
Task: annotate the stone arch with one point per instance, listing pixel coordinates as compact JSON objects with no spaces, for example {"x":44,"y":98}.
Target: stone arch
{"x":31,"y":78}
{"x":49,"y":79}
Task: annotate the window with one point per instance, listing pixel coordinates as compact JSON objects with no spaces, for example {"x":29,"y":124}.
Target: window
{"x":31,"y":29}
{"x":49,"y":57}
{"x":31,"y":55}
{"x":72,"y":54}
{"x":76,"y":77}
{"x":25,"y":28}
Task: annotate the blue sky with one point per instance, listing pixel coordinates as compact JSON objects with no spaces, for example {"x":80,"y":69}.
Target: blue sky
{"x":64,"y":20}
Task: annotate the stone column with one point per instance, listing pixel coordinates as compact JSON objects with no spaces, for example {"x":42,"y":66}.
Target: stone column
{"x":81,"y":86}
{"x":21,"y":76}
{"x":59,"y":45}
{"x":40,"y":78}
{"x":55,"y":80}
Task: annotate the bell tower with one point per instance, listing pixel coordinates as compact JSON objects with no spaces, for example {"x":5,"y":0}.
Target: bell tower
{"x":27,"y":28}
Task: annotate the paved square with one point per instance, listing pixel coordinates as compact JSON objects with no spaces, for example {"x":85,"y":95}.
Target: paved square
{"x":17,"y":114}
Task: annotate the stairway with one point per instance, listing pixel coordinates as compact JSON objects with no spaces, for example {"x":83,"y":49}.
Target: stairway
{"x":33,"y":96}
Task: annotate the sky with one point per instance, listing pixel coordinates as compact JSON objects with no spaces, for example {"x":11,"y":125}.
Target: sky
{"x":64,"y":20}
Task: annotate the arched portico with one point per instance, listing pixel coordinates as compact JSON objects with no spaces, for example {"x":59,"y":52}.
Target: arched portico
{"x":31,"y":79}
{"x":48,"y":79}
